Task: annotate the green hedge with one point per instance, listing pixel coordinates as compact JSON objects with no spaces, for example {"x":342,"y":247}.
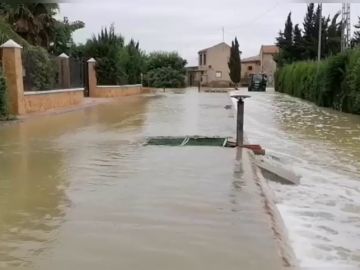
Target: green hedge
{"x":335,"y":83}
{"x":4,"y":109}
{"x":41,"y":69}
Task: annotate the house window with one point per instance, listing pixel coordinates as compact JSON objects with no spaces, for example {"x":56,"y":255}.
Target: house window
{"x":250,"y":68}
{"x":204,"y":59}
{"x":200,"y":59}
{"x":218,"y":74}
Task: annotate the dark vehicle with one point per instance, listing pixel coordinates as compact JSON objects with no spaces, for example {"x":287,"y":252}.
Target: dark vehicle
{"x":257,"y":83}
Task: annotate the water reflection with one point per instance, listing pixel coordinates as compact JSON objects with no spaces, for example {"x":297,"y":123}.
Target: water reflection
{"x":32,"y":196}
{"x":36,"y":160}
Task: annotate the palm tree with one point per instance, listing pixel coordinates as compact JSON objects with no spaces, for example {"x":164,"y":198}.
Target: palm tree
{"x":34,"y":22}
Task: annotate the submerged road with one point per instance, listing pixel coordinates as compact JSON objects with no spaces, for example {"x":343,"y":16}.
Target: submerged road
{"x":322,"y":214}
{"x":80,"y":191}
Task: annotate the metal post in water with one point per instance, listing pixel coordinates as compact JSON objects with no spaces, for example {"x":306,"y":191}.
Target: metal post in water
{"x":240,"y":119}
{"x":240,"y":123}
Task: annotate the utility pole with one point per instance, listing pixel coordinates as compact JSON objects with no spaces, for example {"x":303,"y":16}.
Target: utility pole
{"x":320,"y":34}
{"x":346,"y":26}
{"x":223,"y":34}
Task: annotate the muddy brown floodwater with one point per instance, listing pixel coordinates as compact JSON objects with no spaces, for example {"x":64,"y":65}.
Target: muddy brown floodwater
{"x":80,"y":191}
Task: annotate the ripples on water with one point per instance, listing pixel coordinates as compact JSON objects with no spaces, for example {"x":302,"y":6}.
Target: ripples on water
{"x":323,"y":213}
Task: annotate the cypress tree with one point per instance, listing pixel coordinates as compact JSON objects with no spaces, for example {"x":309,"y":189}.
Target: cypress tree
{"x":298,"y":44}
{"x":333,"y":44}
{"x":235,"y":63}
{"x":285,"y":43}
{"x":288,"y":31}
{"x":310,"y":33}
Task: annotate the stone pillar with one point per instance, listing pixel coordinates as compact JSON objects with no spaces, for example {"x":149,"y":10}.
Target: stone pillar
{"x":13,"y":72}
{"x":92,"y":77}
{"x":64,"y":71}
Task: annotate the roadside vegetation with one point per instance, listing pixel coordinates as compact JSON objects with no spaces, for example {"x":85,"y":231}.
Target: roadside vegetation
{"x":4,"y":108}
{"x":335,"y":81}
{"x":35,"y":27}
{"x":120,"y":63}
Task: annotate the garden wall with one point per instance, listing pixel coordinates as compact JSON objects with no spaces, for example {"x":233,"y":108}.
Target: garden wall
{"x":22,"y":102}
{"x":113,"y":91}
{"x":40,"y":101}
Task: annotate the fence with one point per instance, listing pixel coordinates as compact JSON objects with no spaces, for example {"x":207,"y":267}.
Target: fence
{"x":1,"y":54}
{"x":45,"y":72}
{"x":52,"y":82}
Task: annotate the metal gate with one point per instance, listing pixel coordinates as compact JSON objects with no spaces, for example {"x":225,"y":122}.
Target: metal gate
{"x":86,"y":79}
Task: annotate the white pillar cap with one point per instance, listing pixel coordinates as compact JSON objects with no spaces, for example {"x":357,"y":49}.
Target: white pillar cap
{"x":91,"y":60}
{"x":10,"y":44}
{"x":63,"y":55}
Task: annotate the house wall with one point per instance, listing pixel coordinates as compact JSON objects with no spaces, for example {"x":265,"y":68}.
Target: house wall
{"x":268,"y":66}
{"x":40,"y":101}
{"x":245,"y":72}
{"x":193,"y":77}
{"x":216,"y":60}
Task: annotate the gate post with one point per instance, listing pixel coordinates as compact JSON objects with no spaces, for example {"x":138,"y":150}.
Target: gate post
{"x":64,"y":71}
{"x":13,"y":71}
{"x":92,"y":77}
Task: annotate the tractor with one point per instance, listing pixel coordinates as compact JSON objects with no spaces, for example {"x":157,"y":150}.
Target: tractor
{"x":257,"y":82}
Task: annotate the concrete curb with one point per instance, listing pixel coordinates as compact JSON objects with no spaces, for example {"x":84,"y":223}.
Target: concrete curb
{"x":277,"y":224}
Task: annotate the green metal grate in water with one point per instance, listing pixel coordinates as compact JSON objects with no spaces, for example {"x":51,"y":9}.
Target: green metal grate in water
{"x":188,"y":141}
{"x":165,"y":141}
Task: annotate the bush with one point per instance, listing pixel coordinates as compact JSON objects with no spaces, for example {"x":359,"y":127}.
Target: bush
{"x":334,"y":83}
{"x":165,"y":70}
{"x":165,"y":77}
{"x":41,"y":70}
{"x":4,"y":108}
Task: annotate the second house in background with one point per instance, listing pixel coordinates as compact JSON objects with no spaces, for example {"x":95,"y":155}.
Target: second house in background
{"x":213,"y":70}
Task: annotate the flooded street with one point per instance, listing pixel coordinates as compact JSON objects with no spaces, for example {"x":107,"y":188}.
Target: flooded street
{"x":323,"y":213}
{"x":80,"y":191}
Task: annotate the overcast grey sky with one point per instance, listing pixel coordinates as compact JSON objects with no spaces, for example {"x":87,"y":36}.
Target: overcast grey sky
{"x":188,"y":26}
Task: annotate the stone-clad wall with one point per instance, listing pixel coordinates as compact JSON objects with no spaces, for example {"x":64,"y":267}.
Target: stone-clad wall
{"x":41,"y":101}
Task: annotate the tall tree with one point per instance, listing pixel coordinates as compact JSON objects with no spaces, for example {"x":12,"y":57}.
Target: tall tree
{"x":310,"y":32}
{"x":356,"y":38}
{"x":35,"y":22}
{"x":106,"y":48}
{"x":303,"y":44}
{"x":235,"y":63}
{"x":63,"y":41}
{"x":285,"y":43}
{"x":134,"y":62}
{"x":298,"y":44}
{"x":333,"y":43}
